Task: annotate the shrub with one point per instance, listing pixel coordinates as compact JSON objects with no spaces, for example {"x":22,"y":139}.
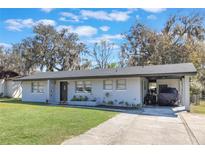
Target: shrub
{"x":195,"y":90}
{"x":126,"y":103}
{"x":74,"y":98}
{"x":7,"y":96}
{"x":137,"y":106}
{"x":121,"y":103}
{"x":94,"y":99}
{"x":110,"y":102}
{"x":80,"y":98}
{"x":133,"y":105}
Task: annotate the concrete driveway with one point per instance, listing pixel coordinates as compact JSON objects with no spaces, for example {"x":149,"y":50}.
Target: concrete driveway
{"x":196,"y":123}
{"x":151,"y":126}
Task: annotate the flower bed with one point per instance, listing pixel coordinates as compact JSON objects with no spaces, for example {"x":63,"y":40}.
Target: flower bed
{"x":83,"y":103}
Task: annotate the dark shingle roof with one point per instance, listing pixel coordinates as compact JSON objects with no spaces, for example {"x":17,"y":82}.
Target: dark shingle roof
{"x":151,"y":70}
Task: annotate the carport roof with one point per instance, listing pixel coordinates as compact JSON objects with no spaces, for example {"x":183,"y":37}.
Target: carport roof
{"x":151,"y":70}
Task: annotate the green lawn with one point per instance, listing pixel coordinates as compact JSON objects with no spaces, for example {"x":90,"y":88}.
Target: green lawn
{"x":35,"y":123}
{"x":199,"y":108}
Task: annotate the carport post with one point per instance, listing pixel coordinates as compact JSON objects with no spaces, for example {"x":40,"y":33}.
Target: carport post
{"x":186,"y":93}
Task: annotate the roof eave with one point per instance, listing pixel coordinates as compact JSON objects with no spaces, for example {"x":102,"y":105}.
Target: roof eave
{"x":110,"y":76}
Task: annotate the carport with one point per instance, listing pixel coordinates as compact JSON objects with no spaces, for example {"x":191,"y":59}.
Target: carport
{"x":181,"y":83}
{"x":175,"y":77}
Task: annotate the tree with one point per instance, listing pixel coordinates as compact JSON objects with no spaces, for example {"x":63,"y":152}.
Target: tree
{"x":45,"y":43}
{"x":178,"y":41}
{"x":85,"y":64}
{"x":69,"y":52}
{"x":113,"y":65}
{"x":139,"y":45}
{"x":8,"y":60}
{"x":28,"y":56}
{"x":2,"y":58}
{"x":50,"y":49}
{"x":101,"y":54}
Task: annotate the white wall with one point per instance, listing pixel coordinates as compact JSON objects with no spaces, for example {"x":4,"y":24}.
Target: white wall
{"x":173,"y":83}
{"x":27,"y":94}
{"x":13,"y":89}
{"x":10,"y":88}
{"x":2,"y":86}
{"x":52,"y":92}
{"x":131,"y":94}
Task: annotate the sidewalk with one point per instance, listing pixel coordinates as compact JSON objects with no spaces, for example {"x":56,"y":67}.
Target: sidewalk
{"x":196,"y":123}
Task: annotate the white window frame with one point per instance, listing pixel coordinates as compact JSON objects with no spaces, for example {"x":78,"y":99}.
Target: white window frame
{"x":106,"y":84}
{"x":37,"y":87}
{"x":120,"y":84}
{"x":84,"y":86}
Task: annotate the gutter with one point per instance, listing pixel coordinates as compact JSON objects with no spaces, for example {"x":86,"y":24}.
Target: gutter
{"x":108,"y":76}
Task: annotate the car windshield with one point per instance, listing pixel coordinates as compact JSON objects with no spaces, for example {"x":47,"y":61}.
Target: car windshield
{"x":168,"y":90}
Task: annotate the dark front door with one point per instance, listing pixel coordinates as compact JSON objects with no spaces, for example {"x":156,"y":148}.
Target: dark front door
{"x":63,"y":91}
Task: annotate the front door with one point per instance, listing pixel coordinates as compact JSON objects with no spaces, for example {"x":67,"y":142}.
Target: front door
{"x":63,"y":91}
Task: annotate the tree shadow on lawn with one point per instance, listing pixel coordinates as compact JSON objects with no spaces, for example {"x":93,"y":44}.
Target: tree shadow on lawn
{"x":19,"y":101}
{"x":100,"y":108}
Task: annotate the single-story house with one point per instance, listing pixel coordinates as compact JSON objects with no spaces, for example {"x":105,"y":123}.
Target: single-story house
{"x":9,"y":87}
{"x":115,"y":86}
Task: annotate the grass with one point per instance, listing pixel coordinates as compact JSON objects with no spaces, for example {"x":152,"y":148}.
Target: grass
{"x":36,"y":123}
{"x":199,"y":108}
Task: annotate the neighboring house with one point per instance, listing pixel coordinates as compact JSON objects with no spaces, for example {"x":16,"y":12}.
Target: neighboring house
{"x":8,"y":87}
{"x":118,"y":85}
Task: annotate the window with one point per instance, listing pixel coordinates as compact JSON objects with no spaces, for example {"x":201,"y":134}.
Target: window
{"x":83,"y":86}
{"x":79,"y":86}
{"x":107,"y":84}
{"x":37,"y":87}
{"x":121,"y":84}
{"x":88,"y":86}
